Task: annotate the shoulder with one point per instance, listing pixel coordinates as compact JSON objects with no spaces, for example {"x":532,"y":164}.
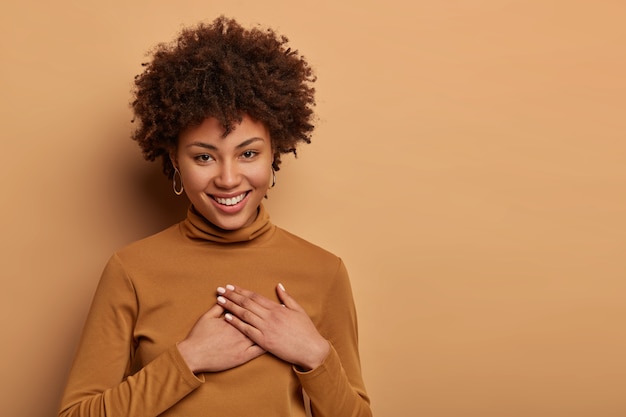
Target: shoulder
{"x":153,"y":246}
{"x":295,"y":247}
{"x":285,"y":237}
{"x":146,"y":259}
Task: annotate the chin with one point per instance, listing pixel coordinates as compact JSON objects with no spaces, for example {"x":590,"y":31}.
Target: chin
{"x":231,"y":227}
{"x":231,"y":224}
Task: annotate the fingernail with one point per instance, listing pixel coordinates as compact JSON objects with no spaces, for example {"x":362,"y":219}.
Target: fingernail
{"x":228,"y":316}
{"x":230,"y":287}
{"x":281,"y":287}
{"x":221,"y":300}
{"x":220,"y":290}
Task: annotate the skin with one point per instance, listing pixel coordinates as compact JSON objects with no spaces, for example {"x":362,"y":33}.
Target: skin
{"x":214,"y":169}
{"x":284,"y":329}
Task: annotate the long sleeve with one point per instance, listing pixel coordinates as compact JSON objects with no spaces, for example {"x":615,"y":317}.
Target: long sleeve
{"x":152,"y":293}
{"x":336,"y":387}
{"x":100,"y":382}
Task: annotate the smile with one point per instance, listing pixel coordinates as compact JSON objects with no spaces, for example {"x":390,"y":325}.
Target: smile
{"x":230,"y":201}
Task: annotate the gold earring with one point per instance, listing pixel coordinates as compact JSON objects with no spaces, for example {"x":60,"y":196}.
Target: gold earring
{"x":182,"y":188}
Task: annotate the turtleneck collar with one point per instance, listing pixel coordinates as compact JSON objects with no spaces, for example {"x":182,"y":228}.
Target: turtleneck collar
{"x":195,"y":226}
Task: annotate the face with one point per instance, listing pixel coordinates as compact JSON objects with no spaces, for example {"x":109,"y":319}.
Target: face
{"x":225,"y":178}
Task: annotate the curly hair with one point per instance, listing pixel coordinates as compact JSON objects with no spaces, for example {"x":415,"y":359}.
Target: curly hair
{"x":225,"y":71}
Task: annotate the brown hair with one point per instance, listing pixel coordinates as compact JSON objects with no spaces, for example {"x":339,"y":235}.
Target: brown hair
{"x":224,"y":71}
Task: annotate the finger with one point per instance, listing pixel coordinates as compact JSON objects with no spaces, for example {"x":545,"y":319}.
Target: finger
{"x":287,"y":300}
{"x":247,"y":330}
{"x":245,"y":314}
{"x":254,"y":351}
{"x":215,"y":311}
{"x":257,"y":298}
{"x":247,"y":299}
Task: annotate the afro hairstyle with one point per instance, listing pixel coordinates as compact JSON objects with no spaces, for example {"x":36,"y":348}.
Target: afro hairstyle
{"x":225,"y":71}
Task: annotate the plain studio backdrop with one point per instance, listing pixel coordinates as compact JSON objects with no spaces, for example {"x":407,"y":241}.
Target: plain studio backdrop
{"x":469,"y":166}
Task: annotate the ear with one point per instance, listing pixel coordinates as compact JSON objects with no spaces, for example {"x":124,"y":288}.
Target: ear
{"x":173,"y":158}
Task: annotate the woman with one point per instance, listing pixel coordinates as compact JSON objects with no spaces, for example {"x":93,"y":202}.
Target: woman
{"x":223,"y":314}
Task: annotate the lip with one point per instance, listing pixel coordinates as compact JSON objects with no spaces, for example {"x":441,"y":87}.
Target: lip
{"x":235,"y":208}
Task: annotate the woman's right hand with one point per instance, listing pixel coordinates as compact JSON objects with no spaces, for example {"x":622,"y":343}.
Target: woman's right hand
{"x":213,"y":345}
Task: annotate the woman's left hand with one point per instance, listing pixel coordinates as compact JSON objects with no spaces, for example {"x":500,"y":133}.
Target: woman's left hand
{"x":285,"y":329}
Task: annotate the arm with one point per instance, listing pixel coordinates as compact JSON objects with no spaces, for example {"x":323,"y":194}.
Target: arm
{"x":100,"y":383}
{"x":336,"y":387}
{"x":326,"y":360}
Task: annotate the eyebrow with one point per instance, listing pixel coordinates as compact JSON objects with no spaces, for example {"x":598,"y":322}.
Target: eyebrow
{"x":214,"y":148}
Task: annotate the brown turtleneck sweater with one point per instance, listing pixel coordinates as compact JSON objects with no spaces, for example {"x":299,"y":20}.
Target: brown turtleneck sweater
{"x":152,"y":292}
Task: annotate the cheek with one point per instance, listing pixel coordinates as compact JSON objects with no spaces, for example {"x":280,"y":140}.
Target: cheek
{"x":260,"y":176}
{"x":194,"y":179}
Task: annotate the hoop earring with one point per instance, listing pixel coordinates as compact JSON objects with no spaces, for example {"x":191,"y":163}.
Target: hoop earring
{"x":182,"y":188}
{"x":273,"y":178}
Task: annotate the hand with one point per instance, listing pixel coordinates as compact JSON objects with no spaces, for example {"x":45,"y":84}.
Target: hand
{"x":285,"y":329}
{"x":213,"y":345}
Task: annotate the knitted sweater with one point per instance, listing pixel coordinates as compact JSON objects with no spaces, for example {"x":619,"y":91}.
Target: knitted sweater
{"x":152,"y":292}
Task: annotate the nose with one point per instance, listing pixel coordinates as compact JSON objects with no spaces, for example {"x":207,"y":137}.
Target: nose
{"x":228,"y":176}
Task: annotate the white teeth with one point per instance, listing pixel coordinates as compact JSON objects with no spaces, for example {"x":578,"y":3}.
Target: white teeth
{"x":230,"y":201}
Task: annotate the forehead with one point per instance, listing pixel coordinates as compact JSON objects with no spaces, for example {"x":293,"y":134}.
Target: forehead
{"x":211,"y":131}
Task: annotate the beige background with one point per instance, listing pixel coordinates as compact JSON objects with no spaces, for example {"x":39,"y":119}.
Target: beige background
{"x":469,"y":167}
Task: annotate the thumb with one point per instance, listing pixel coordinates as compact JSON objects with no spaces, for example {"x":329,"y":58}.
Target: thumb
{"x":286,"y":299}
{"x":215,"y":311}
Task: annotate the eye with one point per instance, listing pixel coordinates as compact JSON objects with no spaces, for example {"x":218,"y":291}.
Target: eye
{"x":205,"y":157}
{"x":249,"y":154}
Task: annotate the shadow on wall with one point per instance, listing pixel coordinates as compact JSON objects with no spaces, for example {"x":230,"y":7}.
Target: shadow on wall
{"x":131,"y":199}
{"x":146,"y":201}
{"x":155,"y":193}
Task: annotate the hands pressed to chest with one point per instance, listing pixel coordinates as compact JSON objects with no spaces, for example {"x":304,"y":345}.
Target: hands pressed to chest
{"x":248,"y":325}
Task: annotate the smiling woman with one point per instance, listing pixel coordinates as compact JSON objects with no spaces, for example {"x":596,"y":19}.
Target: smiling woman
{"x":225,"y":176}
{"x":196,"y":320}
